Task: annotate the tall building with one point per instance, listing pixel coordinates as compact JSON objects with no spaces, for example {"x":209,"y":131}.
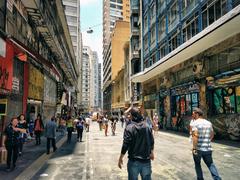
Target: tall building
{"x":72,"y":13}
{"x":86,"y":83}
{"x":113,"y":10}
{"x":114,"y":61}
{"x":190,"y":58}
{"x":90,"y":81}
{"x":100,"y":86}
{"x":94,"y":88}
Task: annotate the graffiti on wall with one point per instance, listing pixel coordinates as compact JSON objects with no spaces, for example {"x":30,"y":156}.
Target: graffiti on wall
{"x":233,"y":127}
{"x":227,"y":126}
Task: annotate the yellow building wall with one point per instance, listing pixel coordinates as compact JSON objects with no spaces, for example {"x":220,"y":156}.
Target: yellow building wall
{"x":118,"y":100}
{"x":120,"y":36}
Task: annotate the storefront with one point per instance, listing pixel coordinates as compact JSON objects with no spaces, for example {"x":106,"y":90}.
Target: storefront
{"x":184,"y":98}
{"x":35,"y":91}
{"x":149,"y":104}
{"x":223,"y":95}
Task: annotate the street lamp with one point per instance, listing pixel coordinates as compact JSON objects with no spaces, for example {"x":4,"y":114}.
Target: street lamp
{"x":90,"y":30}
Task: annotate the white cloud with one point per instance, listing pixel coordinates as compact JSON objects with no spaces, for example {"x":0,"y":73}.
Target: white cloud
{"x":87,"y":2}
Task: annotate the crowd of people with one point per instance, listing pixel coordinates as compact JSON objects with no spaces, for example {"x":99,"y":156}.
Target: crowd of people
{"x":138,"y":139}
{"x":20,"y":130}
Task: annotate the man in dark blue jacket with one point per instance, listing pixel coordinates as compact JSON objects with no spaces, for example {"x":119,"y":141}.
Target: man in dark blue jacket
{"x":138,"y":141}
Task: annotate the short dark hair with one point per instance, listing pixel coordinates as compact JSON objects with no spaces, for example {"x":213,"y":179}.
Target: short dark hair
{"x":136,"y":115}
{"x":198,"y":111}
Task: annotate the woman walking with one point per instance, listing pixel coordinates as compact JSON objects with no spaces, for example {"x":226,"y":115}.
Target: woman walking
{"x":69,"y":128}
{"x":38,"y":128}
{"x":22,"y":124}
{"x":105,"y":121}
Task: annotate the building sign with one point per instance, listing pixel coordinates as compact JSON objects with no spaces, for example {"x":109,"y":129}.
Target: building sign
{"x":36,"y":84}
{"x":6,"y":69}
{"x":15,"y":84}
{"x":185,"y":89}
{"x":2,"y":48}
{"x":50,"y":90}
{"x":59,"y":91}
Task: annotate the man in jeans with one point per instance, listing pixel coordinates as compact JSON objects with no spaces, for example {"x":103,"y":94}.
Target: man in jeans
{"x":202,"y":132}
{"x":138,"y":141}
{"x":50,"y":133}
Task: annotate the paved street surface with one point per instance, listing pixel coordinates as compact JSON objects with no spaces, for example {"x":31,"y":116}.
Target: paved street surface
{"x":96,"y":158}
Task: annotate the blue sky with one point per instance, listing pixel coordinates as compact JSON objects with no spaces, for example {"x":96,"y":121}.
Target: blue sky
{"x":91,"y":15}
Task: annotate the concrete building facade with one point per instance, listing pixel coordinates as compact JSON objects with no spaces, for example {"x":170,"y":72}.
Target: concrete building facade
{"x":190,"y":58}
{"x":86,"y":82}
{"x":72,"y":13}
{"x":94,"y":86}
{"x":113,"y":10}
{"x":100,"y":102}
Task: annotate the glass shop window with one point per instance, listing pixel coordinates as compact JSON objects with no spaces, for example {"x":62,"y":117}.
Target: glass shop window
{"x":184,"y":104}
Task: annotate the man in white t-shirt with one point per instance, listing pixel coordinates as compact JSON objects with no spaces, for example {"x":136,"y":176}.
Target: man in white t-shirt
{"x":202,"y":132}
{"x":87,"y":121}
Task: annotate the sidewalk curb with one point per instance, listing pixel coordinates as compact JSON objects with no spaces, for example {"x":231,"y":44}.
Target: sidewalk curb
{"x":31,"y":170}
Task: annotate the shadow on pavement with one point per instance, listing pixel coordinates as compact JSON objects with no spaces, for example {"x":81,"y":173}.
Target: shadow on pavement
{"x":60,"y":159}
{"x":31,"y":152}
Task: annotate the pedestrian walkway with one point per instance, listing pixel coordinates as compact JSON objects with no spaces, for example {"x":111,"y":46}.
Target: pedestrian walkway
{"x":31,"y":152}
{"x":96,"y":158}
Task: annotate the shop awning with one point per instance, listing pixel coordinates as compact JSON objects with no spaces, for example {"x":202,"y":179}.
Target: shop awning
{"x":22,"y":55}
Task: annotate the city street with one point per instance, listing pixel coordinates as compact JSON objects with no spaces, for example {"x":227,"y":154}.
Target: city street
{"x":96,"y":158}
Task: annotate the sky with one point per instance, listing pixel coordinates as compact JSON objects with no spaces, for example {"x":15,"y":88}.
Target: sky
{"x":91,"y":16}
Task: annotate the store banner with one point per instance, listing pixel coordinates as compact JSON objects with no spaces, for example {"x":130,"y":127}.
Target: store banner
{"x":50,"y":90}
{"x":6,"y":68}
{"x":36,"y":84}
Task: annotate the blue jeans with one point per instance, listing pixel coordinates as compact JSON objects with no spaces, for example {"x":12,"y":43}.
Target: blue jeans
{"x":207,"y":158}
{"x":135,"y":168}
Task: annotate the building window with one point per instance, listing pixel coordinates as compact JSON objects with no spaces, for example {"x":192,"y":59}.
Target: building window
{"x":71,"y":20}
{"x":212,"y":11}
{"x":71,"y":9}
{"x":173,"y":42}
{"x":145,"y":43}
{"x":113,"y":0}
{"x":120,"y":1}
{"x":190,"y":28}
{"x":162,"y":28}
{"x":145,"y":24}
{"x":112,"y":5}
{"x":153,"y":35}
{"x":119,"y":7}
{"x":2,"y":14}
{"x":225,"y":100}
{"x":172,"y":15}
{"x":152,"y":13}
{"x":162,"y":51}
